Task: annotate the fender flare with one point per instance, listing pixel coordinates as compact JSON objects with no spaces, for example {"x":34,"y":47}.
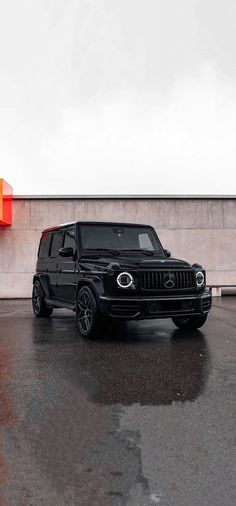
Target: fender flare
{"x":95,"y":284}
{"x":44,"y":282}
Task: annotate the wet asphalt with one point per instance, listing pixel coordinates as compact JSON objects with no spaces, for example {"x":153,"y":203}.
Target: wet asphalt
{"x":144,"y":416}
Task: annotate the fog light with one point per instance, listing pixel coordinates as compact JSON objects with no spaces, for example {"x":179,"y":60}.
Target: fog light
{"x":124,"y":280}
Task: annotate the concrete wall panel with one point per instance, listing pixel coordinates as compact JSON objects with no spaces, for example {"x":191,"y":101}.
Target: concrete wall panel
{"x":15,"y":285}
{"x":170,"y":214}
{"x":198,"y":230}
{"x":39,"y":214}
{"x":18,"y":250}
{"x":178,"y":213}
{"x":229,"y":213}
{"x":221,"y":277}
{"x":21,"y":215}
{"x":60,"y":211}
{"x":212,"y":248}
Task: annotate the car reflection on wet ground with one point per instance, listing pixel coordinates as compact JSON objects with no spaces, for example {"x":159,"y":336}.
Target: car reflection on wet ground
{"x":143,"y":416}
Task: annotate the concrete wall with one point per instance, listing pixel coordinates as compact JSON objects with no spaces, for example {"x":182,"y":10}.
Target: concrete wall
{"x":198,"y":230}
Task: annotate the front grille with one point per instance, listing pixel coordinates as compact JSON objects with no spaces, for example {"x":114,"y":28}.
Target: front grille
{"x":158,"y":280}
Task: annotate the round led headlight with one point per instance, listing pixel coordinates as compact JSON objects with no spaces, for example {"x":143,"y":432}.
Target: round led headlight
{"x":124,"y":280}
{"x":200,"y":279}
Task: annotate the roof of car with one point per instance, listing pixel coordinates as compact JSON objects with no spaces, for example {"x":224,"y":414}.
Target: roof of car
{"x":114,"y":223}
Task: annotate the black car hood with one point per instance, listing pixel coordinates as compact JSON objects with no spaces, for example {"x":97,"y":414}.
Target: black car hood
{"x":138,"y":262}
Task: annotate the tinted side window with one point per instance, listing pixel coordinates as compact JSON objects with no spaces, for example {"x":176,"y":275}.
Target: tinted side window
{"x":44,"y":246}
{"x":69,"y":241}
{"x":56,"y":243}
{"x":145,"y":241}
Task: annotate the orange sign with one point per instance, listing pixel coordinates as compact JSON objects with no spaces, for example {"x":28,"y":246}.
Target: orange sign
{"x":5,"y":203}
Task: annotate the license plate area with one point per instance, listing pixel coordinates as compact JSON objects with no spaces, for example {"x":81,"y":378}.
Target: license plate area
{"x":170,"y":306}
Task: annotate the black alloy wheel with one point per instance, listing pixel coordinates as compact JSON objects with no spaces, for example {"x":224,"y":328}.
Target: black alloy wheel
{"x":191,"y":322}
{"x":39,"y":305}
{"x":87,"y":314}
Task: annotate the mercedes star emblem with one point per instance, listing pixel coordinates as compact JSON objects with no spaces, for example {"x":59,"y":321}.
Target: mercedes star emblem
{"x":169,"y":280}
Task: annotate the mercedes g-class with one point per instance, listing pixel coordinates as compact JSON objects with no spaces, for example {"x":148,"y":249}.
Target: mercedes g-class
{"x":106,"y":271}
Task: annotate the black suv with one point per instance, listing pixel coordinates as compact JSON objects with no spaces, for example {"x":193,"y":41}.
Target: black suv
{"x":108,"y":271}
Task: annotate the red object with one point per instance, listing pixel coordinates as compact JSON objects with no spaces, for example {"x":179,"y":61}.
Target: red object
{"x":5,"y":203}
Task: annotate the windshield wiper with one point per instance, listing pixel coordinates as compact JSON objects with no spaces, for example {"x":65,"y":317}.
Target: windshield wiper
{"x":113,"y":252}
{"x":140,"y":250}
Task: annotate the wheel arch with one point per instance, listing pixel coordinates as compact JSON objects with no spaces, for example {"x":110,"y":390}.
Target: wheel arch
{"x":44,"y":282}
{"x":94,"y":285}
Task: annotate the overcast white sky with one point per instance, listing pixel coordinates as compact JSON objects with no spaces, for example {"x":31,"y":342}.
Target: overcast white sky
{"x":118,"y":96}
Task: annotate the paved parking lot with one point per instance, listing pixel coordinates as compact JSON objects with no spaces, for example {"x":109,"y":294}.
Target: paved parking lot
{"x":142,"y":417}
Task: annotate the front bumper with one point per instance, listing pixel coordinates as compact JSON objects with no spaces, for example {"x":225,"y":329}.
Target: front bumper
{"x":138,"y":308}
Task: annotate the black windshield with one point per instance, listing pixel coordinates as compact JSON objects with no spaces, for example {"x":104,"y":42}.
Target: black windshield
{"x":120,"y":238}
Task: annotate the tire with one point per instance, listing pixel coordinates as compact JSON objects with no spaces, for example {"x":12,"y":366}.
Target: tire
{"x":88,"y":316}
{"x":192,"y":322}
{"x":40,"y":308}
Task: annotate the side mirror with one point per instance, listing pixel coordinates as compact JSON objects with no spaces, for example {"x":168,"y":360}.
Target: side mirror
{"x":167,"y":253}
{"x":66,"y":252}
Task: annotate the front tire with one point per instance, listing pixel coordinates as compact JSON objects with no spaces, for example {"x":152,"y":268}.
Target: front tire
{"x":88,"y":316}
{"x":40,"y":308}
{"x":191,"y":322}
